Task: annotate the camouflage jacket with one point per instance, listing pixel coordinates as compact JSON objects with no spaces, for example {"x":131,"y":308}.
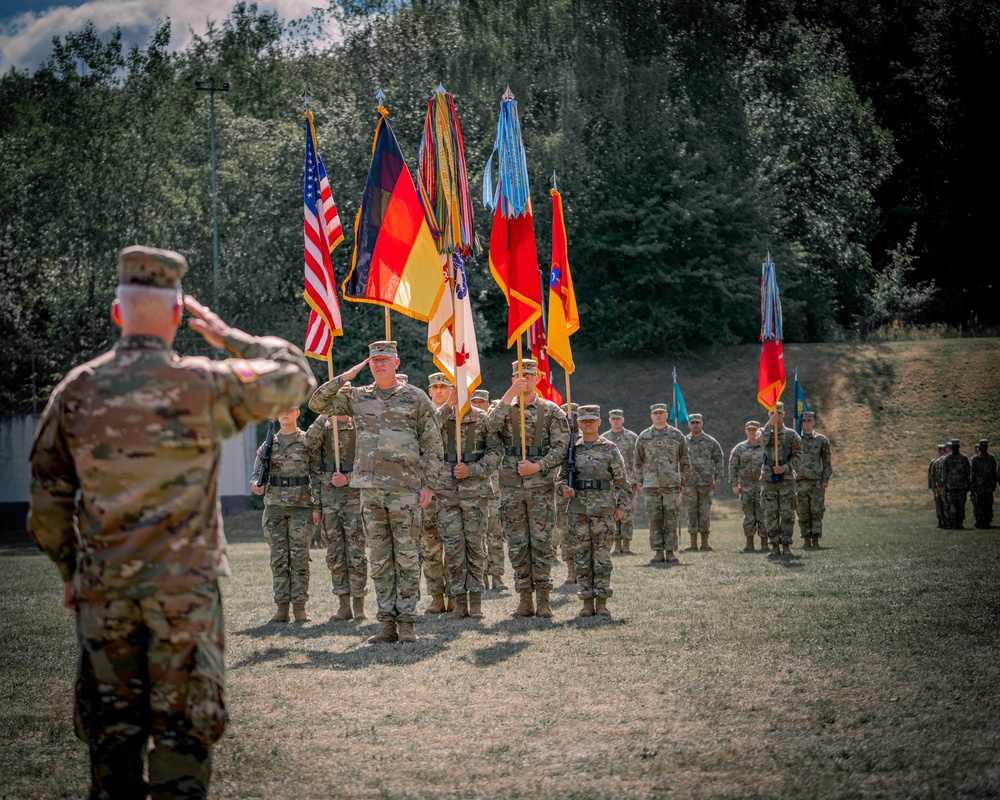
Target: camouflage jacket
{"x":956,"y":472}
{"x":745,"y":461}
{"x":481,"y":450}
{"x":546,"y":435}
{"x":661,"y":459}
{"x":601,"y":480}
{"x":398,"y":445}
{"x":125,"y":464}
{"x":626,"y":445}
{"x":289,"y":460}
{"x":789,"y":451}
{"x":935,"y":475}
{"x":322,"y":464}
{"x":815,"y":464}
{"x":984,"y":472}
{"x":706,"y":459}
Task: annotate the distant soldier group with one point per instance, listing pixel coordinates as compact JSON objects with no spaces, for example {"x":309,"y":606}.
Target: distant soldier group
{"x":952,"y":475}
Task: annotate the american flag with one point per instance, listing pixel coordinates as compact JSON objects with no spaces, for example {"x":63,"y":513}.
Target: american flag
{"x":323,"y":232}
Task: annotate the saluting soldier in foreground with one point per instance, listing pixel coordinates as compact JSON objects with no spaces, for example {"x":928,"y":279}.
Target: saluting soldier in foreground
{"x":777,"y":480}
{"x":494,"y":531}
{"x":625,"y":440}
{"x":397,"y":465}
{"x":745,"y":461}
{"x":812,"y":476}
{"x":124,"y":499}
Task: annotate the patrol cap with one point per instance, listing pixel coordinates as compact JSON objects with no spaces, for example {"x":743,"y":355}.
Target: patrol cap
{"x":148,"y":266}
{"x":695,"y":418}
{"x":528,"y":366}
{"x":752,"y":423}
{"x":984,"y":442}
{"x":616,"y":412}
{"x":779,"y":406}
{"x":658,"y":407}
{"x":438,"y":379}
{"x":808,"y":415}
{"x":943,"y":446}
{"x":481,"y":394}
{"x":382,"y":349}
{"x":567,"y":407}
{"x":955,"y":443}
{"x":402,"y":377}
{"x":589,"y":412}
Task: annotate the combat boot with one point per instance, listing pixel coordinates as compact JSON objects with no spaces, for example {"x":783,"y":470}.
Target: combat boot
{"x":570,"y":572}
{"x":406,"y":634}
{"x":542,"y":607}
{"x":588,"y":607}
{"x":359,"y":608}
{"x":657,"y":557}
{"x":775,"y":551}
{"x":437,"y":605}
{"x":786,"y":550}
{"x":694,"y":543}
{"x":704,"y":542}
{"x":344,"y":612}
{"x":281,"y":615}
{"x":299,"y":612}
{"x":498,"y":582}
{"x":387,"y":633}
{"x":602,"y":607}
{"x":476,"y":605}
{"x":749,"y":547}
{"x":763,"y":543}
{"x":525,"y":607}
{"x":449,"y":602}
{"x":461,"y":606}
{"x":670,"y":558}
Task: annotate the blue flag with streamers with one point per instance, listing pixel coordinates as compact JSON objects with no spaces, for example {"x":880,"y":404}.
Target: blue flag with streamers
{"x":678,"y":410}
{"x":800,"y":404}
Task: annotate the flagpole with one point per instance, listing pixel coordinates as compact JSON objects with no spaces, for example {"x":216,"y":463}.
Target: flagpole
{"x":388,"y":327}
{"x":459,"y":373}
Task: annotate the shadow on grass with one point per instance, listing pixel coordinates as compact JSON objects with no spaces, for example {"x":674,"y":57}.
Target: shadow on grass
{"x":495,"y":654}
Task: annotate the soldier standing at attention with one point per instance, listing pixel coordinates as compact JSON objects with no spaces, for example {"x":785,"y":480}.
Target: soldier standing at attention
{"x":398,"y":459}
{"x":777,"y":480}
{"x":288,"y":516}
{"x":936,"y":485}
{"x":662,"y":468}
{"x":463,"y":499}
{"x":527,"y":485}
{"x":340,"y":520}
{"x":812,"y":476}
{"x":625,"y":441}
{"x":956,"y":475}
{"x":745,"y":461}
{"x":124,"y":500}
{"x":984,"y":483}
{"x":599,"y":494}
{"x":706,"y":470}
{"x":431,"y":546}
{"x":494,"y":530}
{"x":560,"y":537}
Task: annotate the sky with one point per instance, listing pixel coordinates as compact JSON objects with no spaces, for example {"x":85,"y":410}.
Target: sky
{"x":27,"y":28}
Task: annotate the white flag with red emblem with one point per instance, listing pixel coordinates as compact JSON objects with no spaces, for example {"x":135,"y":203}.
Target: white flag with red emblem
{"x":451,"y":335}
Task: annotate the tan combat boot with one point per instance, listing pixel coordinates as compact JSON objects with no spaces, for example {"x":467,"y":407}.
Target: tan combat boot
{"x":670,"y":558}
{"x":525,"y":607}
{"x":602,"y":607}
{"x":437,"y":605}
{"x":542,"y":607}
{"x":344,"y":612}
{"x":359,"y":608}
{"x":449,"y":602}
{"x":476,"y":605}
{"x":657,"y":557}
{"x":694,"y":543}
{"x":299,"y":612}
{"x":786,"y":550}
{"x":461,"y":608}
{"x":775,"y":551}
{"x":588,"y":607}
{"x":749,"y":547}
{"x":281,"y":615}
{"x":763,"y":542}
{"x":387,"y":633}
{"x":406,"y":634}
{"x":704,"y":542}
{"x":570,"y":572}
{"x":498,"y":582}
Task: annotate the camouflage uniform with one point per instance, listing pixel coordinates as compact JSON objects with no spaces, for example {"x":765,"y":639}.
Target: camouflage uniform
{"x":811,"y":475}
{"x":343,"y":534}
{"x":778,"y":497}
{"x":663,"y":467}
{"x":398,"y":452}
{"x":984,"y":483}
{"x":706,"y":471}
{"x":745,"y":462}
{"x":935,"y":482}
{"x":124,"y":499}
{"x":625,"y":442}
{"x":956,"y":472}
{"x":561,"y":544}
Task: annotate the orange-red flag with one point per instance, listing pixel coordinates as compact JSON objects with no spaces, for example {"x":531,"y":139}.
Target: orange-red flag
{"x":564,"y":319}
{"x":514,"y":264}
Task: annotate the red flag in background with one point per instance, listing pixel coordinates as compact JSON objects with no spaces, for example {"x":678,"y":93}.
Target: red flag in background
{"x":514,"y":264}
{"x":564,"y":319}
{"x":539,"y":352}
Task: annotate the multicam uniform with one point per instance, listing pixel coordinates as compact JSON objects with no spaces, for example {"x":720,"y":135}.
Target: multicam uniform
{"x":663,"y":467}
{"x":813,"y":471}
{"x":935,"y":482}
{"x":777,"y":497}
{"x":745,"y":462}
{"x":984,"y":483}
{"x":625,"y":442}
{"x":706,"y":471}
{"x":956,"y":476}
{"x":494,"y":530}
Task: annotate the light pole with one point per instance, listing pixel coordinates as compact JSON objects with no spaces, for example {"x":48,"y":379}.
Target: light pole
{"x":211,"y":87}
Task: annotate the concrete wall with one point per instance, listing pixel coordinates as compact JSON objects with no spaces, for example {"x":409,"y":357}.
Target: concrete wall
{"x":18,"y":432}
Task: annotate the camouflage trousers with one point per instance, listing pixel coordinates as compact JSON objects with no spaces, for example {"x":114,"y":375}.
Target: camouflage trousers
{"x":778,"y":502}
{"x":151,"y":667}
{"x":561,"y":543}
{"x":494,"y":540}
{"x":287,"y":531}
{"x":591,"y":557}
{"x":698,"y":507}
{"x":344,"y":538}
{"x":810,"y":505}
{"x":529,"y":518}
{"x":392,"y":529}
{"x":753,"y":510}
{"x":982,"y":507}
{"x":664,"y":509}
{"x":432,"y":552}
{"x":954,"y":501}
{"x":463,"y":525}
{"x":622,"y":528}
{"x":941,"y":509}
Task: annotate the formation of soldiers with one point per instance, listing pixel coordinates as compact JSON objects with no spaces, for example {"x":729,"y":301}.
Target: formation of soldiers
{"x":952,"y":477}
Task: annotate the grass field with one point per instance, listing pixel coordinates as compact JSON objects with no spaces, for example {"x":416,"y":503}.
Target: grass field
{"x":866,"y":669}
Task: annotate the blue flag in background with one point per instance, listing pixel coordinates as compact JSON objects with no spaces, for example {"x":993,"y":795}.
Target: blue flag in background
{"x":678,"y":410}
{"x":800,"y":404}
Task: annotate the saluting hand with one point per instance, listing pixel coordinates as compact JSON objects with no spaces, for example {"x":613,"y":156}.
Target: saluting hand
{"x":353,"y":371}
{"x":206,"y":322}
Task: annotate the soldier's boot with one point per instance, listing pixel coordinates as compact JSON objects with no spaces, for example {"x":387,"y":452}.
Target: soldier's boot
{"x":461,"y":606}
{"x":570,"y":572}
{"x":449,"y":603}
{"x":786,"y":550}
{"x":704,"y":542}
{"x":542,"y":607}
{"x":437,"y":605}
{"x":775,"y":551}
{"x":476,"y":605}
{"x":281,"y":615}
{"x":627,"y":547}
{"x":359,"y":608}
{"x":387,"y":633}
{"x":763,"y":542}
{"x":299,"y":612}
{"x":602,"y":607}
{"x":694,"y":543}
{"x":498,"y":582}
{"x":670,"y":558}
{"x":749,"y":547}
{"x":657,"y":557}
{"x":588,"y":607}
{"x":525,"y":606}
{"x":345,"y":611}
{"x":406,"y":634}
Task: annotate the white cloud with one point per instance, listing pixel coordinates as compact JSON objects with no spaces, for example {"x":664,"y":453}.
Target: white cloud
{"x":26,"y":39}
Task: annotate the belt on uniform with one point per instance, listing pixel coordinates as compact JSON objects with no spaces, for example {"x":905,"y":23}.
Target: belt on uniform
{"x":345,"y":466}
{"x":529,"y":452}
{"x":277,"y":480}
{"x":475,"y":455}
{"x":581,"y":483}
